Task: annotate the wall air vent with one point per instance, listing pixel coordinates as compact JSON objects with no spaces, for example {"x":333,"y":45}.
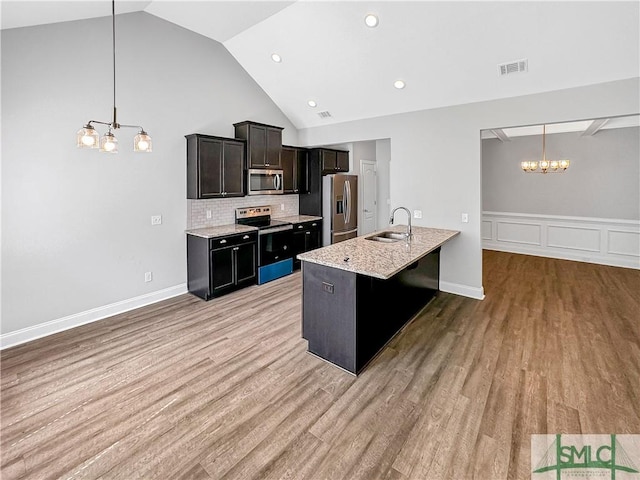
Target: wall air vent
{"x":324,"y":114}
{"x":516,"y":66}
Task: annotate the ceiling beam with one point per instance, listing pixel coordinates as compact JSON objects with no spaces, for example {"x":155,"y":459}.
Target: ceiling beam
{"x":594,"y":127}
{"x":498,"y":132}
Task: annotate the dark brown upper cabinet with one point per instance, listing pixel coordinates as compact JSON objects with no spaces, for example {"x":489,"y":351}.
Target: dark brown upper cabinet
{"x":333,"y":161}
{"x":214,"y":167}
{"x":294,"y":166}
{"x":264,"y":144}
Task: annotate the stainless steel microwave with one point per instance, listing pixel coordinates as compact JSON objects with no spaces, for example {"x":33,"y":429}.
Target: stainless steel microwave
{"x":264,"y":182}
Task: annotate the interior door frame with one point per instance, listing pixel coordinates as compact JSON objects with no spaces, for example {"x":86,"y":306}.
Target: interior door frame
{"x":361,"y":212}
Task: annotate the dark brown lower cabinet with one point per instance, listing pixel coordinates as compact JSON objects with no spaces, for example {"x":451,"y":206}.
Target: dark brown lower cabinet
{"x":306,"y":236}
{"x":220,"y":265}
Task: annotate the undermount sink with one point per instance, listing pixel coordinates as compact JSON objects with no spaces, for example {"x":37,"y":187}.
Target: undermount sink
{"x":387,"y":237}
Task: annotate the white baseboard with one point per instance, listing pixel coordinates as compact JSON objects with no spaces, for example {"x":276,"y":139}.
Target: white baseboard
{"x":463,"y":290}
{"x":603,"y":241}
{"x":65,"y":323}
{"x":612,"y":262}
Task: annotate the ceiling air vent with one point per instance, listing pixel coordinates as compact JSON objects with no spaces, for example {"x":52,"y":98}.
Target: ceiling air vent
{"x":516,"y":66}
{"x":324,"y":114}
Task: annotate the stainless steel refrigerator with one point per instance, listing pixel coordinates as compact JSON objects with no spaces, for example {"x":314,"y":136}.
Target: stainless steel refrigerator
{"x":339,"y":208}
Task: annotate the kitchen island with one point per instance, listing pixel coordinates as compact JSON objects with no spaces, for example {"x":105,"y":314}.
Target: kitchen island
{"x":358,"y":294}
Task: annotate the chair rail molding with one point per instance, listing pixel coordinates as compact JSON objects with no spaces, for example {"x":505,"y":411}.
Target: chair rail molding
{"x":604,"y":241}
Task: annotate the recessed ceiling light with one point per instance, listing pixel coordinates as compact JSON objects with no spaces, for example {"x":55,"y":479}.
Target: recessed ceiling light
{"x":312,"y":103}
{"x":276,"y":58}
{"x":371,"y":20}
{"x":399,"y":84}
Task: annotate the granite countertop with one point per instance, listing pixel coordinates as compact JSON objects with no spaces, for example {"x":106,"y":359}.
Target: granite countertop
{"x":220,"y":231}
{"x":378,"y":259}
{"x":298,"y":218}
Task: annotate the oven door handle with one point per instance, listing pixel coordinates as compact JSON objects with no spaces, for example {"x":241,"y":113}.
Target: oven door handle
{"x":275,"y":229}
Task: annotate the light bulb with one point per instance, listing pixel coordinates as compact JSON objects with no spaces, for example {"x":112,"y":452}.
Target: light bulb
{"x":109,"y":143}
{"x":399,"y":84}
{"x":142,"y":142}
{"x":87,"y":137}
{"x":312,"y":103}
{"x":564,"y":164}
{"x":524,"y":166}
{"x":554,"y":165}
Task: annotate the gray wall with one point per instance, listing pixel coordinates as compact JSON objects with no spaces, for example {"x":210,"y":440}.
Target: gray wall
{"x":603,"y":180}
{"x":383,"y":159}
{"x":76,"y":231}
{"x":436,"y":163}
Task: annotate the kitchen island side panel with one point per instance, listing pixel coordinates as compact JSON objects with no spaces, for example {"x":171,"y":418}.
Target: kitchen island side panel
{"x":329,"y":314}
{"x":384,"y":307}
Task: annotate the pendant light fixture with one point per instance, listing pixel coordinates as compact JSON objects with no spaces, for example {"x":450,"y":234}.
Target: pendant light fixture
{"x":88,"y":137}
{"x":546,"y":166}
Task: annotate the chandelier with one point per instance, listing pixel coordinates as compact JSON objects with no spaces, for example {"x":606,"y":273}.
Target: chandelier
{"x":546,"y":166}
{"x":87,"y":136}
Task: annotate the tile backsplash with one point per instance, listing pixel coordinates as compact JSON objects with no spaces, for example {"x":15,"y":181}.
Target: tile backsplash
{"x":223,"y":210}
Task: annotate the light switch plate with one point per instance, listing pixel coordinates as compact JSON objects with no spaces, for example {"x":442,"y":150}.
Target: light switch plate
{"x":465,"y":218}
{"x":156,"y":219}
{"x":417,"y":214}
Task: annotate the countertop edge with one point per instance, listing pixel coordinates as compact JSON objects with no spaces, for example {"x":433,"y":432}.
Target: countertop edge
{"x":306,"y":257}
{"x":220,"y":231}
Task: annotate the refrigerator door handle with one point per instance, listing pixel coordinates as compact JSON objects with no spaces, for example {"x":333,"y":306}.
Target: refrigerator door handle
{"x":344,"y":202}
{"x":348,"y":205}
{"x":349,"y":195}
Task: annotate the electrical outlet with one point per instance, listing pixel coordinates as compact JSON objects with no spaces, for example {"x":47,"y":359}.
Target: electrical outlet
{"x":156,"y":219}
{"x":148,"y":276}
{"x":208,"y":213}
{"x":465,"y":218}
{"x":417,"y":214}
{"x":282,"y":206}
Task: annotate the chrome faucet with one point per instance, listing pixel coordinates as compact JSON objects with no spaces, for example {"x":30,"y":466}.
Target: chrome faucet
{"x":408,"y":234}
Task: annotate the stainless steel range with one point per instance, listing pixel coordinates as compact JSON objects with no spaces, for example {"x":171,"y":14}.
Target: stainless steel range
{"x":275,"y":242}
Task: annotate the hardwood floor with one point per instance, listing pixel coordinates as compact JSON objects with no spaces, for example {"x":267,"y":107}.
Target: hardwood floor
{"x":187,"y":389}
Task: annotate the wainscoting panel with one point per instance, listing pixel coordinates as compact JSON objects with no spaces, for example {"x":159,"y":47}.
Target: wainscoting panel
{"x":594,"y":240}
{"x":518,"y":232}
{"x":487,"y":225}
{"x":573,"y":238}
{"x":623,"y":242}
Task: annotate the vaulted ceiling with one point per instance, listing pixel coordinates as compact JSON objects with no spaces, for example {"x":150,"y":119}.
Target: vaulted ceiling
{"x":447,"y":52}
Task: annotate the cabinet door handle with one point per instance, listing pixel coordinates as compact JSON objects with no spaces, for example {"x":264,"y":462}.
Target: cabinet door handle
{"x":236,"y":249}
{"x":223,"y":241}
{"x":308,"y":233}
{"x":299,"y":226}
{"x":245,"y":237}
{"x":314,"y":224}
